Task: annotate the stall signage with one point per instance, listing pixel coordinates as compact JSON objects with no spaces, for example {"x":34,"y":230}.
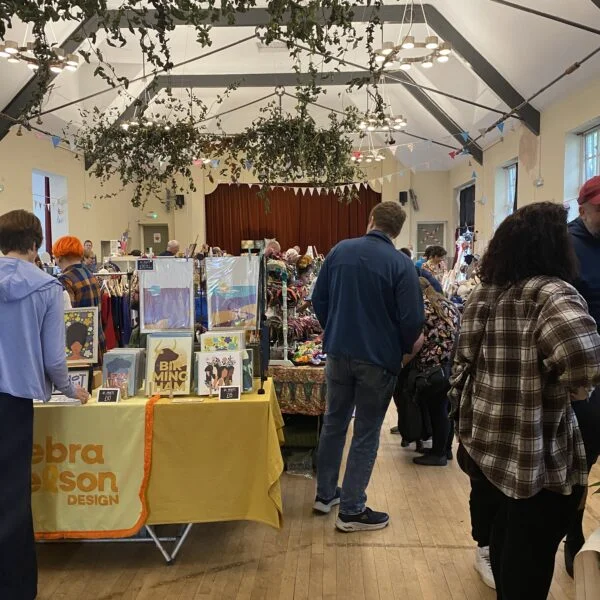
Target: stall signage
{"x":109,"y":395}
{"x":145,"y":264}
{"x":229,"y":392}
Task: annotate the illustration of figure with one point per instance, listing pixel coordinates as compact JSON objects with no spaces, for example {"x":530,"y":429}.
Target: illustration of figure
{"x":229,"y":374}
{"x":221,"y":374}
{"x":77,"y":336}
{"x":209,"y":377}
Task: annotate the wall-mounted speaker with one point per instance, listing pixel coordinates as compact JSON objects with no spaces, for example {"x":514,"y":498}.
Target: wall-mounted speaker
{"x":179,"y":200}
{"x":403,"y":198}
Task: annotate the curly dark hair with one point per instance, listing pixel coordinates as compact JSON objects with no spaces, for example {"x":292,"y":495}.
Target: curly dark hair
{"x":531,"y":242}
{"x":435,"y":252}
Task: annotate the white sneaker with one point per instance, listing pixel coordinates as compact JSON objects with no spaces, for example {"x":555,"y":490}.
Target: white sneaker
{"x":484,"y":567}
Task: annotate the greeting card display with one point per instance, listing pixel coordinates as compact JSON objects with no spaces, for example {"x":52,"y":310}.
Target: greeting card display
{"x":232,"y":292}
{"x":223,"y":341}
{"x":139,"y":356}
{"x":81,"y":335}
{"x":216,"y":369}
{"x":167,"y":296}
{"x":169,"y":364}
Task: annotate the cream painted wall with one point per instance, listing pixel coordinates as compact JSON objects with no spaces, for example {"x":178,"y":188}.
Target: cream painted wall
{"x":554,"y":156}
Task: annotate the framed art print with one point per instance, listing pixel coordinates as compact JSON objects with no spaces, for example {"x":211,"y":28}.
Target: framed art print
{"x":81,"y":335}
{"x":232,"y":292}
{"x":169,"y":364}
{"x":217,"y":369}
{"x":167,"y":296}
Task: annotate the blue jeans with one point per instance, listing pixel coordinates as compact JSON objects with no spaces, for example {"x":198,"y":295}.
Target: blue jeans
{"x":352,"y":383}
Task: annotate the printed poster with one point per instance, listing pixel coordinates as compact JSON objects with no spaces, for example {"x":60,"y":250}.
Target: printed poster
{"x":81,"y":335}
{"x":232,"y":290}
{"x":216,"y":369}
{"x":169,"y":365}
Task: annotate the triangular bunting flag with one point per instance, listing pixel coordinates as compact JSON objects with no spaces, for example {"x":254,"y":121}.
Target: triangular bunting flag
{"x":483,"y":131}
{"x":248,"y":165}
{"x":453,"y":154}
{"x":465,"y":136}
{"x":388,"y":178}
{"x":357,"y":186}
{"x":501,"y":127}
{"x":411,"y":147}
{"x":296,"y":190}
{"x":319,"y":190}
{"x":474,"y":175}
{"x":55,"y":140}
{"x":413,"y":170}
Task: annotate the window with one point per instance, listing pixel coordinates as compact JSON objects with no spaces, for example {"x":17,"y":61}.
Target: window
{"x":511,"y":173}
{"x":591,"y":154}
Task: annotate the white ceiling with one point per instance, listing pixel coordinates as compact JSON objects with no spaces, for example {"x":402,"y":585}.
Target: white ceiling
{"x":527,"y":50}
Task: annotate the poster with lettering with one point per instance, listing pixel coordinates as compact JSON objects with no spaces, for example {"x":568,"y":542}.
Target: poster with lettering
{"x":90,"y":471}
{"x":81,"y":335}
{"x":169,"y":364}
{"x":216,"y":369}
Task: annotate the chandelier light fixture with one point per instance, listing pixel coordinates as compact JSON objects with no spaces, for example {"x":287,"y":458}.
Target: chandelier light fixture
{"x":59,"y":62}
{"x":367,"y":157}
{"x":432,"y":49}
{"x":144,"y":122}
{"x":373,"y":123}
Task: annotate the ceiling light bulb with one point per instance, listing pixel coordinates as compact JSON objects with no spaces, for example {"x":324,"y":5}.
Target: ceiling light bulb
{"x":11,"y":47}
{"x":13,"y":59}
{"x":371,"y":128}
{"x":362,"y":125}
{"x":167,"y":128}
{"x":442,"y":58}
{"x":427,"y":63}
{"x":33,"y":66}
{"x":3,"y":52}
{"x":380,"y":58}
{"x":432,"y":42}
{"x":353,"y":158}
{"x":125,"y":126}
{"x":405,"y":66}
{"x":56,"y":69}
{"x":408,"y":43}
{"x":445,"y":49}
{"x":369,"y":160}
{"x":71,"y":68}
{"x":387,"y":48}
{"x":397,"y":127}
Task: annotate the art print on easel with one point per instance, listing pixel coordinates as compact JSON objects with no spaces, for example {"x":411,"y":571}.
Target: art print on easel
{"x":169,"y":365}
{"x":81,"y":335}
{"x":167,"y":296}
{"x":217,"y":369}
{"x":232,"y":292}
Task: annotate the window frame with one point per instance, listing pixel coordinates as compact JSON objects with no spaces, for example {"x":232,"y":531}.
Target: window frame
{"x":595,"y":156}
{"x":511,"y":184}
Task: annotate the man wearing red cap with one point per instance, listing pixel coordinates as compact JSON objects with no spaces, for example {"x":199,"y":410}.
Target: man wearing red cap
{"x":585,"y":234}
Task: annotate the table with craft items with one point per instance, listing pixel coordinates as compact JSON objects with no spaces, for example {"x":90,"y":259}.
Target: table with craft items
{"x":107,"y":472}
{"x":300,"y":390}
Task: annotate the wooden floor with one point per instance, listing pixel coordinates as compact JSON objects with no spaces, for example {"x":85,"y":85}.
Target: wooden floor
{"x":426,"y":552}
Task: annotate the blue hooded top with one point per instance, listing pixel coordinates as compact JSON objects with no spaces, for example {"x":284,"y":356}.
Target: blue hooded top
{"x":587,"y":248}
{"x":32,"y":332}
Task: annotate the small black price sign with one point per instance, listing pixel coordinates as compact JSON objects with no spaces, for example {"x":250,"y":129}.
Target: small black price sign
{"x":229,"y":392}
{"x":109,"y":395}
{"x":145,"y":264}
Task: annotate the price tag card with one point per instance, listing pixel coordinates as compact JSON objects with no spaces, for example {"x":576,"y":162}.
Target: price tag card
{"x":145,"y":264}
{"x":109,"y":395}
{"x":229,"y":392}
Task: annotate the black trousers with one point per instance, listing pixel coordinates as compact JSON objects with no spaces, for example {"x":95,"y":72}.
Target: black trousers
{"x":484,"y":503}
{"x":524,"y":540}
{"x":18,"y":565}
{"x":437,"y":406}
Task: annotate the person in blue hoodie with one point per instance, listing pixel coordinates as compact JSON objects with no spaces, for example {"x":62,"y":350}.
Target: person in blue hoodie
{"x":32,"y":358}
{"x":585,"y":235}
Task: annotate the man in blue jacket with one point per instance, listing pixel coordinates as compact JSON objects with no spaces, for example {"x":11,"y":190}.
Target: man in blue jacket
{"x":585,"y":234}
{"x":369,"y":302}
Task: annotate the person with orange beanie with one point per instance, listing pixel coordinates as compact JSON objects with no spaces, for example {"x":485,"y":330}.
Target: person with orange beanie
{"x":79,"y":282}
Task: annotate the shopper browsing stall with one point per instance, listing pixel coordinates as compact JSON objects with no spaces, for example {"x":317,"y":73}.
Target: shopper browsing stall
{"x":368,"y":300}
{"x":585,"y":235}
{"x":527,"y":349}
{"x":32,"y":359}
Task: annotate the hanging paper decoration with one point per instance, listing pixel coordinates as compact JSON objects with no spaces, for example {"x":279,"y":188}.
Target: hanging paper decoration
{"x":55,"y":140}
{"x":501,"y":127}
{"x":248,"y":164}
{"x":453,"y":154}
{"x":465,"y":136}
{"x":215,"y":162}
{"x":474,"y":175}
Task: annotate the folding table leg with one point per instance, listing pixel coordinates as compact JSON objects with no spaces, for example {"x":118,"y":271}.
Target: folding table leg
{"x":182,"y":539}
{"x":167,"y":556}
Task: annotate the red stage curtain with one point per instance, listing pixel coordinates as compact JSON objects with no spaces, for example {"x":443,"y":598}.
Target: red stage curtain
{"x":235,"y":213}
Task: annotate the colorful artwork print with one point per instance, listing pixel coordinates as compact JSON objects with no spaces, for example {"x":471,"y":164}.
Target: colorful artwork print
{"x":232,"y":291}
{"x":166,"y":296}
{"x":222,"y":342}
{"x":216,"y":369}
{"x":169,"y":365}
{"x":78,"y":377}
{"x":81,"y":335}
{"x":119,"y":371}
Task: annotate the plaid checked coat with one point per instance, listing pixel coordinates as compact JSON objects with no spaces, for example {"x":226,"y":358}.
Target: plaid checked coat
{"x":520,"y":353}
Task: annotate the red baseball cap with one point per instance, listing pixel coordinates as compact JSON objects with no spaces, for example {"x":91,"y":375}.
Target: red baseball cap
{"x":590,"y":191}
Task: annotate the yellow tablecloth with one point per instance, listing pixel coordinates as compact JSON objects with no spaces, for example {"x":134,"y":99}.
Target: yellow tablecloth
{"x":217,"y":460}
{"x":211,"y":460}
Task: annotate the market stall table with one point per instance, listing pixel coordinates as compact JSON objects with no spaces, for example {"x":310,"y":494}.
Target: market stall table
{"x":211,"y":460}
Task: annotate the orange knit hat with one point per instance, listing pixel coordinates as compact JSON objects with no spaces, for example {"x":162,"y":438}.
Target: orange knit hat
{"x":67,"y":245}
